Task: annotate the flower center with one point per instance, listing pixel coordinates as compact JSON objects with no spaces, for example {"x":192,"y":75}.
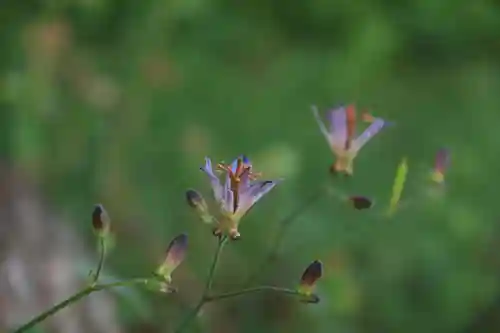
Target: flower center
{"x":235,"y":177}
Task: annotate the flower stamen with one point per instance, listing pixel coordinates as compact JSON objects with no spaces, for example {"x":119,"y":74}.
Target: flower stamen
{"x":235,"y":177}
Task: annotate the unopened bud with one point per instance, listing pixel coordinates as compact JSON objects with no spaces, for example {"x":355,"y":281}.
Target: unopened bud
{"x":308,"y":282}
{"x":100,"y":220}
{"x":176,"y":252}
{"x":361,"y":202}
{"x":196,"y":201}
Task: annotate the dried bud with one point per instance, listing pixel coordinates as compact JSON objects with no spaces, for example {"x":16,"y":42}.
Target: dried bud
{"x":176,"y":252}
{"x":100,"y":220}
{"x":196,"y":201}
{"x":308,"y":281}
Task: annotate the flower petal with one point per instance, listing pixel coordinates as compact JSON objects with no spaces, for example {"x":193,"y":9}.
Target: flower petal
{"x":245,"y":179}
{"x":214,"y":180}
{"x":369,"y":133}
{"x":253,"y":193}
{"x":227,"y":186}
{"x":338,"y":125}
{"x":321,"y":124}
{"x":442,"y":160}
{"x":228,"y":202}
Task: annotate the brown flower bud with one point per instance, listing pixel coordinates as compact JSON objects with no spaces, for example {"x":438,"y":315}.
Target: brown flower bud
{"x":308,"y":282}
{"x":100,"y":219}
{"x":196,"y":201}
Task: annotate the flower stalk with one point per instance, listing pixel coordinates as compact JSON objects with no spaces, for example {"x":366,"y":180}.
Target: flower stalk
{"x":75,"y":298}
{"x":208,"y":286}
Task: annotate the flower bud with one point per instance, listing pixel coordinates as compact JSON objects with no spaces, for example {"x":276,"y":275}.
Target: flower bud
{"x":176,"y":252}
{"x":360,"y":202}
{"x":196,"y":201}
{"x":308,"y":281}
{"x":100,"y":220}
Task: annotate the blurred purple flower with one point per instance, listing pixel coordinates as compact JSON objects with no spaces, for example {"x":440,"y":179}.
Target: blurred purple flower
{"x":341,"y":127}
{"x":441,"y":165}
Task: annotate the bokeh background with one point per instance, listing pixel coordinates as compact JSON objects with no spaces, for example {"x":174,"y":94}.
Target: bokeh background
{"x":118,"y":102}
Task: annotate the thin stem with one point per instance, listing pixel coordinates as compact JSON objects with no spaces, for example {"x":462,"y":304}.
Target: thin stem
{"x":213,"y":267}
{"x":102,"y":256}
{"x":252,"y":290}
{"x":284,"y":224}
{"x":208,"y":287}
{"x":75,"y":298}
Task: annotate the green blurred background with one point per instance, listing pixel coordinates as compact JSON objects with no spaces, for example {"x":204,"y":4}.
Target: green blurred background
{"x":118,"y":102}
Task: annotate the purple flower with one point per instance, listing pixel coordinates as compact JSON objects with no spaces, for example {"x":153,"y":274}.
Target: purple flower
{"x":238,"y":194}
{"x":342,"y":138}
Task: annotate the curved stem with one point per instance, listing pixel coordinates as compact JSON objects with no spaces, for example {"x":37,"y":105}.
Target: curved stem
{"x":252,"y":290}
{"x":75,"y":298}
{"x":208,"y":287}
{"x":284,"y":224}
{"x":102,"y":255}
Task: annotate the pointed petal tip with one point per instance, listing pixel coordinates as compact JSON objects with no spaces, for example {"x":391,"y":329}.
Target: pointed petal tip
{"x":208,"y":164}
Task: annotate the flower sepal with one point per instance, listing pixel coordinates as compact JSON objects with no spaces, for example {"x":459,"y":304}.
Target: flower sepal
{"x":157,"y":284}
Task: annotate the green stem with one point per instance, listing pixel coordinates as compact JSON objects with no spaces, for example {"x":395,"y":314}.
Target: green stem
{"x":252,"y":290}
{"x":75,"y":298}
{"x":102,"y":255}
{"x":208,"y":287}
{"x":283,"y":226}
{"x":213,"y":267}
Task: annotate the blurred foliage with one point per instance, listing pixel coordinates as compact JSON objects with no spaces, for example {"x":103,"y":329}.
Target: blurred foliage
{"x":119,"y":101}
